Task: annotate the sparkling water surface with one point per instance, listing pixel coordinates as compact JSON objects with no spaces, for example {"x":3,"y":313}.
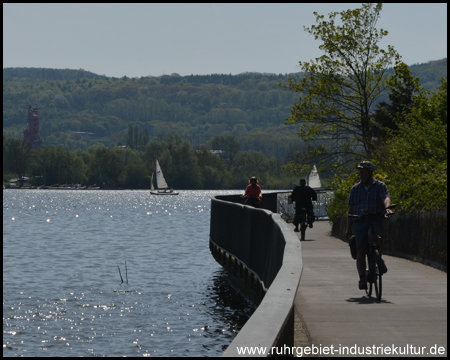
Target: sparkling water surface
{"x":62,"y":291}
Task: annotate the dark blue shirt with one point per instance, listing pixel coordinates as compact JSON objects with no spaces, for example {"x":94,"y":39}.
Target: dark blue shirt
{"x":368,"y":200}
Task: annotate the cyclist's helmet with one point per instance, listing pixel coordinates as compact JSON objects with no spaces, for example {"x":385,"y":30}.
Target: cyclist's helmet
{"x":366,"y":165}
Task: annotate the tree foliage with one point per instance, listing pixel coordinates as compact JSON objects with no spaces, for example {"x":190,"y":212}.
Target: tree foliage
{"x":185,"y":167}
{"x":405,"y":89}
{"x":16,"y":157}
{"x":340,"y":88}
{"x":78,"y":112}
{"x":412,"y":161}
{"x":80,"y":109}
{"x":416,"y":159}
{"x":352,"y":107}
{"x":227,"y":145}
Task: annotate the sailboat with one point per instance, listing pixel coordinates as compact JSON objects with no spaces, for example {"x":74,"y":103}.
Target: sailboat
{"x":314,"y":180}
{"x":161,"y":184}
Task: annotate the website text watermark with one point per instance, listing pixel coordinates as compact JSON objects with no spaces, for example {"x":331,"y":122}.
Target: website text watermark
{"x":342,"y":350}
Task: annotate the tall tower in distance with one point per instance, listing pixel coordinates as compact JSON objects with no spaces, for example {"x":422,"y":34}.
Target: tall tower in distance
{"x":31,"y":135}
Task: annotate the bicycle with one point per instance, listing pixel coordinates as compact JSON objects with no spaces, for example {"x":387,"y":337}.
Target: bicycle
{"x":300,"y":219}
{"x":303,"y":218}
{"x":250,"y":200}
{"x":376,"y":266}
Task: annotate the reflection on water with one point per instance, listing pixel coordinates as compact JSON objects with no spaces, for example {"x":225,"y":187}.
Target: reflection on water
{"x":228,"y":305}
{"x":62,"y":292}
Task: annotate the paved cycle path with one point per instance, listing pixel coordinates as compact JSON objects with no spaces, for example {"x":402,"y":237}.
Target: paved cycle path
{"x":412,"y":310}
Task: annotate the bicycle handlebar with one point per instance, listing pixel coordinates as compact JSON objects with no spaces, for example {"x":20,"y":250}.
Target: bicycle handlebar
{"x":376,"y":214}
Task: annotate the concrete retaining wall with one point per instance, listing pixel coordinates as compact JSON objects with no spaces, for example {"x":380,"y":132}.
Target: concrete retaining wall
{"x":263,"y":255}
{"x":421,"y":237}
{"x":269,"y":200}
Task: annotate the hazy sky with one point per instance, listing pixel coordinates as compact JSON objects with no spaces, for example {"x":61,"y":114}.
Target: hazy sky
{"x":155,"y":39}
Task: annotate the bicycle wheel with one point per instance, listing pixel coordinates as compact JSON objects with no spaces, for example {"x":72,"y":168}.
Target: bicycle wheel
{"x":369,"y":284}
{"x":369,"y":290}
{"x":303,"y":226}
{"x":302,"y":231}
{"x":378,"y":274}
{"x":371,"y":276}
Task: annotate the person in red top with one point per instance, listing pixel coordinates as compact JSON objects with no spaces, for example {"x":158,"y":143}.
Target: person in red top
{"x":253,"y":193}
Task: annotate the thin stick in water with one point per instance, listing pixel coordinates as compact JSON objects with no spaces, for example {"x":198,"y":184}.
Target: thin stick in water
{"x":120,"y":274}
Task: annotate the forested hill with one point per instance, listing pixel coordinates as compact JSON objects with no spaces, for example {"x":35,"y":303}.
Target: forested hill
{"x":79,"y":107}
{"x":429,"y":73}
{"x":250,"y":106}
{"x":49,"y":74}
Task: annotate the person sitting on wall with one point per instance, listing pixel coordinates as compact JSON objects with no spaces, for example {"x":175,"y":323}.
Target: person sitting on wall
{"x":253,"y":193}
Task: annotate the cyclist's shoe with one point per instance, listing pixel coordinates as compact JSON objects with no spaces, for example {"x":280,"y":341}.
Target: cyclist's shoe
{"x":311,"y":226}
{"x":362,"y":284}
{"x":296,"y":230}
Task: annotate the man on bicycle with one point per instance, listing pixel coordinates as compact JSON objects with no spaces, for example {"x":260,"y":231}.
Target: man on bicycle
{"x":303,"y":196}
{"x":367,"y":196}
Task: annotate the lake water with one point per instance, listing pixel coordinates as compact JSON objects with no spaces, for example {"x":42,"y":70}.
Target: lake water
{"x":62,"y":291}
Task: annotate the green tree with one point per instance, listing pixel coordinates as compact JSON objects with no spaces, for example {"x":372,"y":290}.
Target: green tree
{"x":46,"y":165}
{"x":214,"y":172}
{"x":340,"y":87}
{"x":404,"y":91}
{"x":130,"y":139}
{"x":416,"y":159}
{"x":145,"y":137}
{"x":135,"y":137}
{"x":135,"y":176}
{"x":153,"y":151}
{"x":105,"y":167}
{"x":183,"y":171}
{"x":250,"y":163}
{"x":17,"y":157}
{"x":62,"y":162}
{"x":412,"y":162}
{"x":226,"y":143}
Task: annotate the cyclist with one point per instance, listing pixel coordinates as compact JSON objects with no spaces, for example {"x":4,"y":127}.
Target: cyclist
{"x":367,"y":196}
{"x":303,"y":196}
{"x":253,"y":193}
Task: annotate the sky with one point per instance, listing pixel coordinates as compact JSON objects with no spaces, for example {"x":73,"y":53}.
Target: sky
{"x":137,"y":40}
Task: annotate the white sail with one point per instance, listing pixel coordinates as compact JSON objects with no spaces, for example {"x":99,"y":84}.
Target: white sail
{"x":160,"y":181}
{"x":152,"y":188}
{"x":314,"y":180}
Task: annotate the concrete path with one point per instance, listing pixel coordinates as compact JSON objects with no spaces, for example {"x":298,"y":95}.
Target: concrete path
{"x":411,"y":316}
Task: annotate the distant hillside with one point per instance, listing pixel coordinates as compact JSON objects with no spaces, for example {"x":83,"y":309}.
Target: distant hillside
{"x":49,"y":74}
{"x":79,"y":108}
{"x":79,"y":111}
{"x":429,"y":73}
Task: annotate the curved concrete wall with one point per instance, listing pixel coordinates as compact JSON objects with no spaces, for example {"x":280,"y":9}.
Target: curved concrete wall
{"x":260,"y":251}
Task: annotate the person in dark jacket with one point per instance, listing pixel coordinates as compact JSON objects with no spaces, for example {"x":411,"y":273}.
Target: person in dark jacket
{"x":303,"y":196}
